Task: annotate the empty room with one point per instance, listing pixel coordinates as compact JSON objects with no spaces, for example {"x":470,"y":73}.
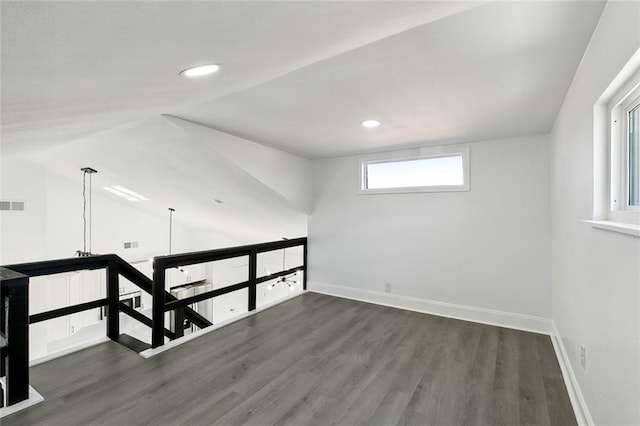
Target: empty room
{"x":320,"y":212}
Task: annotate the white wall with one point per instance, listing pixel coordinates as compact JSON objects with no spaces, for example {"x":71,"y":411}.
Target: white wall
{"x":595,"y":273}
{"x":487,"y":248}
{"x":114,"y":222}
{"x":22,"y":232}
{"x":51,"y":225}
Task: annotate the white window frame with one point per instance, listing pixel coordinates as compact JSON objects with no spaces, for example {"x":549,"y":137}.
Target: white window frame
{"x":626,"y":99}
{"x":415,"y":154}
{"x":611,"y":209}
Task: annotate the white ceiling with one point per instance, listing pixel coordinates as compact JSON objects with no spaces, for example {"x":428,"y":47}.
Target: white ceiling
{"x":295,"y":75}
{"x":96,"y":84}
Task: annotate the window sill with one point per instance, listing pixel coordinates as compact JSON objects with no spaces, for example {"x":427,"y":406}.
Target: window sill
{"x":623,"y":228}
{"x":461,"y":188}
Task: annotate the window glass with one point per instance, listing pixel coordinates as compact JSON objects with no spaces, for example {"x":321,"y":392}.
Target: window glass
{"x":634,"y":156}
{"x":424,"y":172}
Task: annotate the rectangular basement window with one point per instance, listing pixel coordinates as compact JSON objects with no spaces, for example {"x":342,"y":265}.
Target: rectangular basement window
{"x":440,"y":172}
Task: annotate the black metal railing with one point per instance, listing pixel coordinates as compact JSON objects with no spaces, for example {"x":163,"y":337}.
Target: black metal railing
{"x":14,"y":308}
{"x":162,"y":263}
{"x":14,"y":295}
{"x":14,"y":303}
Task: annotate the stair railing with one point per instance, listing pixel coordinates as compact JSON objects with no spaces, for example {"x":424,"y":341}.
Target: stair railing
{"x":14,"y":310}
{"x":162,"y":304}
{"x":14,"y":300}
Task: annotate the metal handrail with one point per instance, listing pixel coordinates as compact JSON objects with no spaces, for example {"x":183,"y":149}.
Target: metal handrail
{"x":14,"y":288}
{"x":162,"y":263}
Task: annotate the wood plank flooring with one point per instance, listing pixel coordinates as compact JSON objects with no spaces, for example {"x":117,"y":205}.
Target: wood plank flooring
{"x":314,"y":360}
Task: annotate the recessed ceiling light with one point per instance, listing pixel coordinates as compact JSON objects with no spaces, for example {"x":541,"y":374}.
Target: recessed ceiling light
{"x":370,"y":123}
{"x":200,"y":70}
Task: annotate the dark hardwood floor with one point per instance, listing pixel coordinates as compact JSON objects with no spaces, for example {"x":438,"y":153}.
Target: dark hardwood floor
{"x":314,"y":360}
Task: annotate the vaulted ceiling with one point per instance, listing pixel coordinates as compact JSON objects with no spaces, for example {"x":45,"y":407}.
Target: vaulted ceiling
{"x":299,"y":76}
{"x":97,"y":84}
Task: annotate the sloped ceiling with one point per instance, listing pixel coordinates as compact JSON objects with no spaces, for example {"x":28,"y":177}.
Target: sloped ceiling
{"x":72,"y":68}
{"x":96,"y":84}
{"x":496,"y":71}
{"x":285,"y":174}
{"x":295,"y":75}
{"x":174,"y":169}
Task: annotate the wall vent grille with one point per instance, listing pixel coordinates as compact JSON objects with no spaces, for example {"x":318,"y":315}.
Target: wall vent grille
{"x":12,"y":205}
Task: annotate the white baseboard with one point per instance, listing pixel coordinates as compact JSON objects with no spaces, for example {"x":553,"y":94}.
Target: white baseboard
{"x":34,"y":398}
{"x":480,"y":315}
{"x":179,"y":341}
{"x":450,"y":310}
{"x":583,"y":416}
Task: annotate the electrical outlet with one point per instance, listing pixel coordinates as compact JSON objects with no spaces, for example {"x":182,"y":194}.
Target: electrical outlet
{"x":583,"y":357}
{"x":387,"y":287}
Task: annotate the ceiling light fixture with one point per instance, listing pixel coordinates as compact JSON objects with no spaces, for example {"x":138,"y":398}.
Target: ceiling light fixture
{"x":125,"y":193}
{"x":129,"y":192}
{"x":287,"y":279}
{"x":171,"y":211}
{"x":200,"y":70}
{"x":370,"y":124}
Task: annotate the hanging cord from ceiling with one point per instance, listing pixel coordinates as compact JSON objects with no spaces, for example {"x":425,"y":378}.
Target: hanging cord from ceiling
{"x":86,"y":171}
{"x":171,"y":211}
{"x":90,"y":211}
{"x":84,"y":212}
